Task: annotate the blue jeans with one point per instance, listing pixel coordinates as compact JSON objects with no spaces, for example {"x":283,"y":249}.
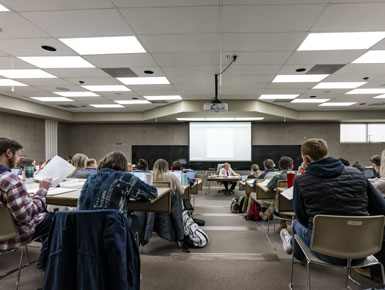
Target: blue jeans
{"x":305,"y":234}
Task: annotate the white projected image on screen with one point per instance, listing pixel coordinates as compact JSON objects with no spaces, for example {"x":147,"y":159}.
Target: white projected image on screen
{"x":221,"y":137}
{"x":220,"y":141}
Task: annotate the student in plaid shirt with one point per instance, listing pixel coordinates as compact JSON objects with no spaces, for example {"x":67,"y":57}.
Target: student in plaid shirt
{"x":29,"y":214}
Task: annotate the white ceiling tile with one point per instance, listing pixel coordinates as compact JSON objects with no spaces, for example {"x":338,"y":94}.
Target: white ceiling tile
{"x":246,"y":80}
{"x":270,"y":18}
{"x":185,"y":59}
{"x":262,"y":41}
{"x":121,"y":60}
{"x":351,"y":17}
{"x":340,"y":77}
{"x":259,"y":2}
{"x":290,"y":86}
{"x":157,"y":72}
{"x":67,"y":87}
{"x":45,"y":82}
{"x":208,"y":42}
{"x":95,"y":81}
{"x":285,"y":90}
{"x":290,"y":69}
{"x":362,"y":69}
{"x":77,"y":72}
{"x":163,"y":3}
{"x":78,"y":23}
{"x":7,"y":62}
{"x":138,"y":89}
{"x":32,"y":47}
{"x":173,"y":19}
{"x":260,"y":57}
{"x":241,"y":69}
{"x":324,"y":57}
{"x":196,"y":70}
{"x":45,"y":5}
{"x":15,"y":26}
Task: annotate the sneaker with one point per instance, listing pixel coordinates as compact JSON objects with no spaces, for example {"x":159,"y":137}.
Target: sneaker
{"x":286,"y":237}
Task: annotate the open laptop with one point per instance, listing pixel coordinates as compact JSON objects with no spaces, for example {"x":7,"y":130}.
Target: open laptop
{"x":178,"y":174}
{"x":16,"y":171}
{"x":369,"y":172}
{"x":190,"y":174}
{"x":244,"y":177}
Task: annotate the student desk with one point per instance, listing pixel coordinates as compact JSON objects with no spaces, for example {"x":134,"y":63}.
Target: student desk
{"x":220,"y":179}
{"x":284,"y":206}
{"x":161,"y":204}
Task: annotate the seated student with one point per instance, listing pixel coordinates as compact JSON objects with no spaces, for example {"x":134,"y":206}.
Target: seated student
{"x":379,"y":183}
{"x":142,"y":165}
{"x":255,"y":172}
{"x":227,"y":171}
{"x":376,"y":163}
{"x":177,"y":166}
{"x":92,"y":165}
{"x":301,"y":168}
{"x":130,"y":167}
{"x":79,"y":161}
{"x":318,"y":191}
{"x":26,"y":161}
{"x":29,"y":214}
{"x":113,"y":186}
{"x":358,"y":166}
{"x":344,"y":161}
{"x":285,"y":164}
{"x":161,"y":173}
{"x":270,"y":171}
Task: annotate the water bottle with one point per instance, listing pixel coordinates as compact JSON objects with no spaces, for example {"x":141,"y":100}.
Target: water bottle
{"x":184,"y":178}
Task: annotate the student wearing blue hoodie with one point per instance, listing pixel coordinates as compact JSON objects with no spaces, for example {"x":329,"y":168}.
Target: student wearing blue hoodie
{"x":328,"y":187}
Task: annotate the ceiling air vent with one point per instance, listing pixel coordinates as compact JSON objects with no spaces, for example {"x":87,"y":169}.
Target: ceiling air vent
{"x":282,"y":101}
{"x":321,"y":69}
{"x":159,"y":102}
{"x":69,"y":106}
{"x":120,"y":72}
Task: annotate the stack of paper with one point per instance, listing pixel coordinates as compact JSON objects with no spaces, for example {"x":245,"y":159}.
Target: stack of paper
{"x":288,"y":193}
{"x":57,"y":169}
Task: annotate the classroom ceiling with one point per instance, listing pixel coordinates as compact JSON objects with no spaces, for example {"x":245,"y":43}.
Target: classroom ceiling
{"x":188,"y":42}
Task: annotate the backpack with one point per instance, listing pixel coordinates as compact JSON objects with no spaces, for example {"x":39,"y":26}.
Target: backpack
{"x":254,"y":212}
{"x":237,"y":204}
{"x":193,"y":234}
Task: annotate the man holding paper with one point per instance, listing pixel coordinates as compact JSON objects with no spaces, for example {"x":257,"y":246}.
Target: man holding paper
{"x":29,"y":214}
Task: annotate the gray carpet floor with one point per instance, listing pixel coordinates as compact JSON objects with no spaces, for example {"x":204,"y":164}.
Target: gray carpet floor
{"x":238,"y":256}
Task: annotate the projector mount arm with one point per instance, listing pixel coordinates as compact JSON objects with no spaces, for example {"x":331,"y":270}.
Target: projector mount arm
{"x":216,"y":100}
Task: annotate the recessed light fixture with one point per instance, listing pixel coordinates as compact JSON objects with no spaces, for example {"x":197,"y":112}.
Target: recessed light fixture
{"x":339,"y":85}
{"x":104,"y":45}
{"x":25,"y":74}
{"x":278,"y":96}
{"x":300,"y":69}
{"x":163,"y":98}
{"x":380,"y":97}
{"x":309,"y":101}
{"x":48,"y":48}
{"x":107,"y":88}
{"x":341,"y":40}
{"x":132,"y":102}
{"x":57,"y":61}
{"x":299,"y":78}
{"x":106,"y":106}
{"x":144,"y":81}
{"x":312,"y":97}
{"x":191,"y":119}
{"x":372,"y":56}
{"x":249,"y":119}
{"x":3,"y":8}
{"x":219,"y":119}
{"x":337,"y":104}
{"x":76,"y":94}
{"x":366,"y":92}
{"x":148,"y":72}
{"x":52,"y":99}
{"x":10,"y":83}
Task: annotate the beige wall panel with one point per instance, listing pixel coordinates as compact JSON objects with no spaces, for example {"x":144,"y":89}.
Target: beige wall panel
{"x":361,"y":152}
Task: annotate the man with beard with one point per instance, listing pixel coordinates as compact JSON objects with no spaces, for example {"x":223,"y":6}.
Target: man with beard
{"x":29,"y":214}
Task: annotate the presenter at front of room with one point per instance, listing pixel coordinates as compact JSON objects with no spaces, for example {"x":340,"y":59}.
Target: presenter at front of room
{"x":226,"y":171}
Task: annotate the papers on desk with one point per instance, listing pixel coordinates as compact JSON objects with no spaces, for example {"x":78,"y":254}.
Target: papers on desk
{"x":77,"y":183}
{"x":288,"y":193}
{"x":53,"y":191}
{"x":57,"y":169}
{"x":264,"y":183}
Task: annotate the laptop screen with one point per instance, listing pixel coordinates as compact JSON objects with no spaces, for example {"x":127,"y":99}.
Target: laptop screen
{"x":244,"y":177}
{"x":177,"y":174}
{"x":191,"y":174}
{"x":140,"y":175}
{"x":15,"y":171}
{"x":369,"y":172}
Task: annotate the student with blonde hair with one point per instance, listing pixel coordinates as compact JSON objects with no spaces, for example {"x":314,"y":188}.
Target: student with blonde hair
{"x":79,"y":161}
{"x":161,"y":173}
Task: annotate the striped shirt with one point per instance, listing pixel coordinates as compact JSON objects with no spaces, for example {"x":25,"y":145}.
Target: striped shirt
{"x":26,"y":212}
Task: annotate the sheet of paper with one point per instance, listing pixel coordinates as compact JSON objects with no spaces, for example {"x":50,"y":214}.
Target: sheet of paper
{"x":265,"y":182}
{"x":58,"y":190}
{"x":72,"y":184}
{"x":57,"y":169}
{"x":288,"y":193}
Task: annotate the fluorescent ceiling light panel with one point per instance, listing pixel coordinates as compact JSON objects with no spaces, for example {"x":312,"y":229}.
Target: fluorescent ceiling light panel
{"x":3,"y":8}
{"x":191,"y":119}
{"x":52,"y":99}
{"x":249,"y":119}
{"x":341,"y":40}
{"x":298,"y":78}
{"x":11,"y":83}
{"x":339,"y":85}
{"x":132,"y":102}
{"x":278,"y":96}
{"x":25,"y":74}
{"x":107,"y":88}
{"x":161,"y":98}
{"x":219,"y":119}
{"x":104,"y":45}
{"x":144,"y":81}
{"x":76,"y":94}
{"x":337,"y":104}
{"x":380,"y":97}
{"x":309,"y":101}
{"x":57,"y":61}
{"x":372,"y":56}
{"x":366,"y":92}
{"x":106,"y":106}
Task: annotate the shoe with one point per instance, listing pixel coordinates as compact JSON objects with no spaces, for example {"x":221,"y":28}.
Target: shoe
{"x":286,"y":237}
{"x":232,"y":191}
{"x":227,"y":193}
{"x":265,"y":215}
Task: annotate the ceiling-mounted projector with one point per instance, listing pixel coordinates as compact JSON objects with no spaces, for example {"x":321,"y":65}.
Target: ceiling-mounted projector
{"x":216,"y":107}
